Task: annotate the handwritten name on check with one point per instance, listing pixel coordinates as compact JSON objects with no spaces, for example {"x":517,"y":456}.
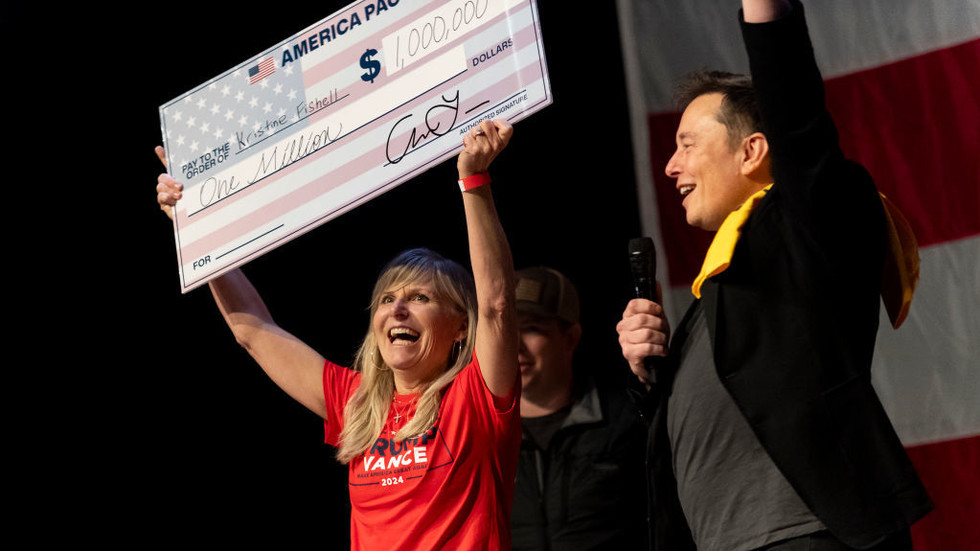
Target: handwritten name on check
{"x":341,"y":112}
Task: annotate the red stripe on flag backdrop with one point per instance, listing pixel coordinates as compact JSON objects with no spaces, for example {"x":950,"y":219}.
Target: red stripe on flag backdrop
{"x":951,"y":473}
{"x":914,"y":124}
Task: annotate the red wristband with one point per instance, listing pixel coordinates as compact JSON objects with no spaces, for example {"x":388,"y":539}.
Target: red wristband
{"x":474,"y":181}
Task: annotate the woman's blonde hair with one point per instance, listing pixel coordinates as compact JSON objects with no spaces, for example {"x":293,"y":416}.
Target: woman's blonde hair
{"x":367,"y":410}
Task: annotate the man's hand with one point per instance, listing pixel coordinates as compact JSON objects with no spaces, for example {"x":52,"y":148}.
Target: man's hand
{"x":643,"y":332}
{"x":762,"y":11}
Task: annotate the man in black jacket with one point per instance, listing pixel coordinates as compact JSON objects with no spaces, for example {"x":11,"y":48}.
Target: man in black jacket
{"x":580,"y":476}
{"x":767,"y":432}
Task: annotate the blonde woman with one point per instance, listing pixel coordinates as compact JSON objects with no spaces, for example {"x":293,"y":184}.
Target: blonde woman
{"x":427,"y":419}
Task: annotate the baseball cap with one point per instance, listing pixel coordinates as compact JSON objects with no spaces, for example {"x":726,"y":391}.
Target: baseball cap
{"x":544,"y":291}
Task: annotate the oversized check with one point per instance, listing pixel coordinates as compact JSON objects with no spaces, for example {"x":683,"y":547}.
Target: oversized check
{"x":341,"y":112}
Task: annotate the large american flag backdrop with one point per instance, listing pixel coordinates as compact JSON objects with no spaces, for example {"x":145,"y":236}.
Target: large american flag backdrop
{"x":903,"y":81}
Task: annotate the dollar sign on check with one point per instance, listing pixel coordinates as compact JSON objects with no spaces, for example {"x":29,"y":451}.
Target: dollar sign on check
{"x":372,"y":65}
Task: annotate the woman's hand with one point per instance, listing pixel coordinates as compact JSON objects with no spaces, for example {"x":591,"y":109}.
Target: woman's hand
{"x":169,"y":191}
{"x":481,"y":145}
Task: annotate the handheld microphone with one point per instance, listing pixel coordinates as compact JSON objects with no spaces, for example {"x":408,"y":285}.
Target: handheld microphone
{"x":643,"y":264}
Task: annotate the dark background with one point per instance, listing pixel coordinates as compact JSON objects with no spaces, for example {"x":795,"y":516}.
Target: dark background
{"x":139,"y":418}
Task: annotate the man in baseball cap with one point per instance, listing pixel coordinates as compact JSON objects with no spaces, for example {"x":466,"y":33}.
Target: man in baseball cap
{"x":579,"y":477}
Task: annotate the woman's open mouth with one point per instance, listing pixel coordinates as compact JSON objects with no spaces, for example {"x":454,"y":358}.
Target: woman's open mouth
{"x":402,"y":335}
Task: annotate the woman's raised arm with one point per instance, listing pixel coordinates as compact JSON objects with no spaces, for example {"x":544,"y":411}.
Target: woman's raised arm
{"x":289,"y":362}
{"x":490,"y":258}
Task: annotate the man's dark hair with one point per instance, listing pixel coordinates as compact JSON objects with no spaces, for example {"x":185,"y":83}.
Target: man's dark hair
{"x":739,"y":110}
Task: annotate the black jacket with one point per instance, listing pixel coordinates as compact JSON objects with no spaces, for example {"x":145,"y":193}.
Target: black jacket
{"x":587,"y":490}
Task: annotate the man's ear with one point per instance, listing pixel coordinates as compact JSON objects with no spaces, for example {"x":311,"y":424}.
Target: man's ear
{"x":573,"y":335}
{"x":755,"y":155}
